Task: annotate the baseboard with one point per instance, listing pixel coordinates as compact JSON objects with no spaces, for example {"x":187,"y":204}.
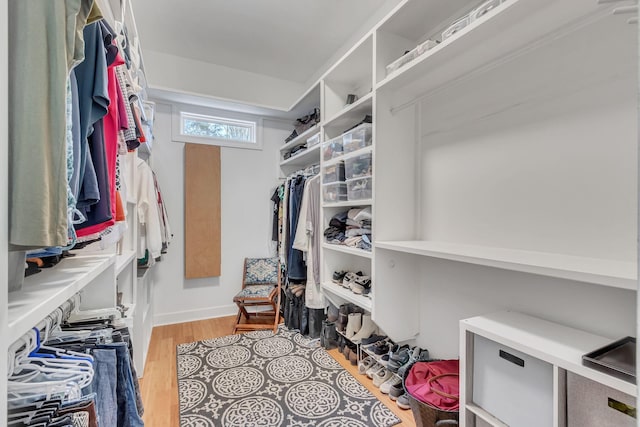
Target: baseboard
{"x":193,"y":315}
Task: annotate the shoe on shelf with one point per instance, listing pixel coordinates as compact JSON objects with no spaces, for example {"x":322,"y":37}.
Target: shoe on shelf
{"x":367,"y":329}
{"x":343,"y":317}
{"x":338,"y":276}
{"x":353,"y":325}
{"x":381,"y":376}
{"x":353,"y":358}
{"x":381,"y":347}
{"x":365,"y":364}
{"x":399,"y":358}
{"x":350,"y":277}
{"x":396,"y":391}
{"x":403,"y":402}
{"x":373,"y":369}
{"x":373,"y":339}
{"x":386,"y":386}
{"x":384,"y":359}
{"x":360,"y":285}
{"x":332,"y":313}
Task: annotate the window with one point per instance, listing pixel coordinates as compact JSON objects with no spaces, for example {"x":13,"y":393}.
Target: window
{"x":215,"y":127}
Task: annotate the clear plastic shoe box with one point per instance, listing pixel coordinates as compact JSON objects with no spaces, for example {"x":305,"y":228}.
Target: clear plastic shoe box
{"x":333,"y":173}
{"x":360,"y":188}
{"x":358,"y":166}
{"x":410,"y":56}
{"x":332,"y":148}
{"x":357,"y":138}
{"x":334,"y":192}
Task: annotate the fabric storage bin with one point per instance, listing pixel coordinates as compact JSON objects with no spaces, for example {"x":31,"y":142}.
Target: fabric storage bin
{"x":358,"y":166}
{"x":359,"y":188}
{"x":314,"y":140}
{"x":333,"y":173}
{"x":332,"y":148}
{"x":591,"y":404}
{"x":512,"y":386}
{"x":334,"y":192}
{"x":16,"y":265}
{"x":357,"y":138}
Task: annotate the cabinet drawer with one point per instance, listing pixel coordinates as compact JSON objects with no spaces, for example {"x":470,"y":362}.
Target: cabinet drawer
{"x":591,"y":404}
{"x":512,"y":386}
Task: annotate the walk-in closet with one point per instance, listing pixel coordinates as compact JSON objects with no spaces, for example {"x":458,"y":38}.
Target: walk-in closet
{"x":321,"y":213}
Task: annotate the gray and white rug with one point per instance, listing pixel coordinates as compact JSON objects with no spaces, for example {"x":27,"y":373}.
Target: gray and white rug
{"x":261,"y":380}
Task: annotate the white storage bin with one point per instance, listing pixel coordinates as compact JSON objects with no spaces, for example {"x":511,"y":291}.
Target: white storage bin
{"x":512,"y":386}
{"x":357,"y":138}
{"x":314,"y":140}
{"x":456,"y":26}
{"x":358,"y":166}
{"x":16,"y":265}
{"x":360,"y":188}
{"x":332,"y":148}
{"x":334,"y":192}
{"x":591,"y":404}
{"x":333,"y":173}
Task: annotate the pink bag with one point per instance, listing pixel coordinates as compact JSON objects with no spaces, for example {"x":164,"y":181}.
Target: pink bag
{"x":435,"y":383}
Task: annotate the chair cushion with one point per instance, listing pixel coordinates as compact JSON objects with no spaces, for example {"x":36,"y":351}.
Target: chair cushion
{"x":261,"y":271}
{"x":255,"y":291}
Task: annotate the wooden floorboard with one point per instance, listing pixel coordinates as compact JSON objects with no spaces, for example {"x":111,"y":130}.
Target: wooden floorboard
{"x":159,"y":385}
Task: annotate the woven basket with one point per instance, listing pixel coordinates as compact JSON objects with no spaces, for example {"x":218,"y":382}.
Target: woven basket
{"x":427,"y":415}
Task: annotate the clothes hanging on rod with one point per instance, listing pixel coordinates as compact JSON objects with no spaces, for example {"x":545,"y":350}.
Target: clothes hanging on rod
{"x":79,"y":370}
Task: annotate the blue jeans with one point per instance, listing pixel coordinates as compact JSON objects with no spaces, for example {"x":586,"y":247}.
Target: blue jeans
{"x":125,"y":389}
{"x":105,"y":385}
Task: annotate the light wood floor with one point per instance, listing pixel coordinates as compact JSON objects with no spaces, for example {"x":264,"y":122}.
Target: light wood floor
{"x":159,"y":385}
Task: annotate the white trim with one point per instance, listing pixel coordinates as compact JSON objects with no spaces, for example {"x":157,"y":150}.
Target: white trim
{"x":176,"y":126}
{"x":194,"y":315}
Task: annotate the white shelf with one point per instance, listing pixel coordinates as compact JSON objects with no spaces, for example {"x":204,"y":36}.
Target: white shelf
{"x":550,"y":342}
{"x":347,"y":250}
{"x":513,"y":27}
{"x":490,"y":419}
{"x":307,"y":157}
{"x":351,"y":114}
{"x":123,"y":260}
{"x":347,"y":295}
{"x":618,"y":274}
{"x":42,"y":293}
{"x":301,"y":139}
{"x":349,"y":203}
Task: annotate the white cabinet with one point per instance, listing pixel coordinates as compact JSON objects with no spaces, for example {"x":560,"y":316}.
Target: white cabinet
{"x":551,"y":351}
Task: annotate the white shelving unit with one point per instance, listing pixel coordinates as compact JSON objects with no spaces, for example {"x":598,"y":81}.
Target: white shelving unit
{"x":92,"y":275}
{"x":346,"y":295}
{"x":348,"y":250}
{"x":304,"y":158}
{"x":612,"y":273}
{"x":558,"y":345}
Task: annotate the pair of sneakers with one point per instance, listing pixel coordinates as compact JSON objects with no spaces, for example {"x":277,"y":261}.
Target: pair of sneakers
{"x":397,"y":394}
{"x":358,"y":283}
{"x":404,"y":357}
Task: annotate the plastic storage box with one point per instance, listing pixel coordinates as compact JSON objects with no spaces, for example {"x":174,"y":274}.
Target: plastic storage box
{"x":334,"y":192}
{"x":333,"y":173}
{"x":332,"y":148}
{"x":456,"y":26}
{"x":359,"y":188}
{"x":484,"y":8}
{"x":357,"y":138}
{"x":358,"y":166}
{"x":314,"y":140}
{"x":410,"y":56}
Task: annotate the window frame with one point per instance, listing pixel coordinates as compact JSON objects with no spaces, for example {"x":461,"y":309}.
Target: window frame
{"x":182,"y":111}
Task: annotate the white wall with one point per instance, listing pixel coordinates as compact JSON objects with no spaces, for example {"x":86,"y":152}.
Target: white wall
{"x":169,"y":72}
{"x":248,"y":178}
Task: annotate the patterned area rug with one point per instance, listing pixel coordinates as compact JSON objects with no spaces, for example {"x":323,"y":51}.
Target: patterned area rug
{"x":262,"y":379}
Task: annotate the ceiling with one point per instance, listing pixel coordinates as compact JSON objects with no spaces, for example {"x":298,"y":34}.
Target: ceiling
{"x":286,"y":39}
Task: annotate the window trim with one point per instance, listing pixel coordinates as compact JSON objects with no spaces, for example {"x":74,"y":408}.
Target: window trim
{"x":177,"y":135}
